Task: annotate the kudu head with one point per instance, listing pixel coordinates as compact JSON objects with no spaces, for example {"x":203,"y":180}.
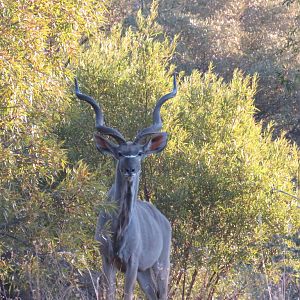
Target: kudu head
{"x":129,"y":154}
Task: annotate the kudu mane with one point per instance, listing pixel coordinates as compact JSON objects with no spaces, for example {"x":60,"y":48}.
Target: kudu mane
{"x":124,"y":215}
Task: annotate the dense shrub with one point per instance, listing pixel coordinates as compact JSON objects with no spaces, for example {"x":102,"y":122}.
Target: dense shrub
{"x":220,"y":168}
{"x":222,"y":171}
{"x":215,"y":181}
{"x":39,"y":192}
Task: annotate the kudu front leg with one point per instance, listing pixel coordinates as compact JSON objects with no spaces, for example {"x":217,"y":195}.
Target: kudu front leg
{"x":130,"y":279}
{"x":109,"y":280}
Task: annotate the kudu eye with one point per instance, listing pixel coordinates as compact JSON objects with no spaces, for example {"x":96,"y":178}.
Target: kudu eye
{"x":140,"y":153}
{"x":120,"y":154}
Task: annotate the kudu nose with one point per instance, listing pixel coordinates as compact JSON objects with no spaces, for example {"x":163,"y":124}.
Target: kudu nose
{"x":130,"y":172}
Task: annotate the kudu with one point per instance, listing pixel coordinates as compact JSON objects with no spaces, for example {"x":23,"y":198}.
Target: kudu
{"x":136,"y":237}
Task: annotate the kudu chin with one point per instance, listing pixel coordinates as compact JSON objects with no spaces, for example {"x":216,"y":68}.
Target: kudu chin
{"x":136,"y":237}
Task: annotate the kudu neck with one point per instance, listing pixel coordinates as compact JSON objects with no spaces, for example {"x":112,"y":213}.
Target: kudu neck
{"x":125,"y":197}
{"x":125,"y":188}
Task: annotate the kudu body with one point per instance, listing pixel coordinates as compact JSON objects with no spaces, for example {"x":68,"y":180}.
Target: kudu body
{"x":136,"y":237}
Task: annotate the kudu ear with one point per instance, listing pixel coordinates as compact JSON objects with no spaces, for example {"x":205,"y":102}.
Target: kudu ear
{"x":156,"y":143}
{"x":104,"y":145}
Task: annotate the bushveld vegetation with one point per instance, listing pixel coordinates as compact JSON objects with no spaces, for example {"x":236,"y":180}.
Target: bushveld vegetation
{"x":258,"y":36}
{"x":235,"y":235}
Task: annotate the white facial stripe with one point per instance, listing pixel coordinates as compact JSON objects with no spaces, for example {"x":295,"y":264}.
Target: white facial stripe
{"x":130,"y":156}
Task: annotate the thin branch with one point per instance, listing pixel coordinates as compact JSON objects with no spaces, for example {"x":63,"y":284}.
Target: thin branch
{"x":286,"y":193}
{"x":174,"y":287}
{"x":266,"y":275}
{"x":12,"y":223}
{"x":188,"y":294}
{"x":8,"y":107}
{"x":15,"y":238}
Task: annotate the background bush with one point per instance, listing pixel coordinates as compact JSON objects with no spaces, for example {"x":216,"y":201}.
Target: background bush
{"x":255,"y":36}
{"x":235,"y":235}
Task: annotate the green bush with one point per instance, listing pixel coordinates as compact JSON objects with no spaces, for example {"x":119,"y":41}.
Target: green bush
{"x":220,"y":167}
{"x":215,"y":181}
{"x":40,"y":193}
{"x":222,"y":170}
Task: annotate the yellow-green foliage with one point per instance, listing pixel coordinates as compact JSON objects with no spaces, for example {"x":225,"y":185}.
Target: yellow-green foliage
{"x":38,"y":41}
{"x":215,"y":181}
{"x":221,"y":174}
{"x":125,"y":72}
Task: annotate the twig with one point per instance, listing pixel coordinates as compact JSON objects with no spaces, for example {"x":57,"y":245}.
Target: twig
{"x":8,"y":107}
{"x":266,"y":274}
{"x":173,"y":290}
{"x":286,"y":193}
{"x":94,"y":286}
{"x":188,"y":294}
{"x":15,"y":238}
{"x":13,"y":222}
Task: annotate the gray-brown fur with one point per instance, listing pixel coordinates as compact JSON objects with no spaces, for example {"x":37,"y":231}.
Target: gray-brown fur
{"x":136,"y":237}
